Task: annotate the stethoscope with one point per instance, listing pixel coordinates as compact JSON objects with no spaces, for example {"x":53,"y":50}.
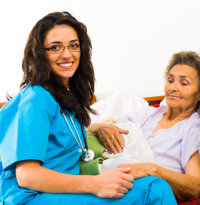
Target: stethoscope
{"x":87,"y":154}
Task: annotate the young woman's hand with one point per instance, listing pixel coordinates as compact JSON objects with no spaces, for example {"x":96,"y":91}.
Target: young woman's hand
{"x":113,"y":183}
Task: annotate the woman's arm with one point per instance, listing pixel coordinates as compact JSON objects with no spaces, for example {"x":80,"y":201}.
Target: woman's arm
{"x":111,"y":184}
{"x":185,"y":186}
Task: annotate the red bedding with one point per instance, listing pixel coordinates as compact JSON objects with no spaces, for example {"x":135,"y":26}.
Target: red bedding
{"x":193,"y":202}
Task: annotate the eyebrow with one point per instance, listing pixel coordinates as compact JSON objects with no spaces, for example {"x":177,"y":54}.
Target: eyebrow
{"x":182,"y":76}
{"x":59,"y":42}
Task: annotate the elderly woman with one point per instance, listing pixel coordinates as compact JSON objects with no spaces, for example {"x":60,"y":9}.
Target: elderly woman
{"x":172,"y":130}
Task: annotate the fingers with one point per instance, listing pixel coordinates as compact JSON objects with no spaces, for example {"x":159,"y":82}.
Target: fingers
{"x":115,"y":183}
{"x":126,"y":181}
{"x":123,"y":190}
{"x":116,"y":139}
{"x":111,"y":138}
{"x":127,"y":185}
{"x":119,"y":138}
{"x":113,"y":145}
{"x":107,"y":147}
{"x":127,"y":176}
{"x":119,"y":195}
{"x":125,"y":132}
{"x":109,"y":141}
{"x":104,"y":137}
{"x":116,"y":143}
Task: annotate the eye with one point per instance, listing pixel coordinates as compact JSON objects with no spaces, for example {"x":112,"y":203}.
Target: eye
{"x":75,"y":46}
{"x":184,"y":82}
{"x":170,"y":80}
{"x":55,"y":48}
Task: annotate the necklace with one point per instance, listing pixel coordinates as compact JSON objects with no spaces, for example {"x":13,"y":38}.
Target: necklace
{"x":87,"y":154}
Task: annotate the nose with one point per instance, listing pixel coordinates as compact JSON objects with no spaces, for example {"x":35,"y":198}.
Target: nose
{"x":66,"y":52}
{"x":174,"y":86}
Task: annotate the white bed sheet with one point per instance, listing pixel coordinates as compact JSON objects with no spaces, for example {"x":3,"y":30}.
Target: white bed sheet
{"x":117,"y":104}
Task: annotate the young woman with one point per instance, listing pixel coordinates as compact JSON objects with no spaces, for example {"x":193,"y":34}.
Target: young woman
{"x":42,"y":128}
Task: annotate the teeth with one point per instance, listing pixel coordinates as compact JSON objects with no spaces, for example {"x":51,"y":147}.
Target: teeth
{"x":66,"y":64}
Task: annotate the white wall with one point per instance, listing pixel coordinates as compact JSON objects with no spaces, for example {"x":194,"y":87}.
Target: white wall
{"x":132,"y":39}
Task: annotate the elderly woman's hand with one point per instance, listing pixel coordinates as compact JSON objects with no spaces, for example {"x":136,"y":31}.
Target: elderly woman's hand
{"x":109,"y":135}
{"x":141,"y":169}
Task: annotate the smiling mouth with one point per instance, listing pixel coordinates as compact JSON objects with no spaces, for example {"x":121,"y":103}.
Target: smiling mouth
{"x":65,"y":65}
{"x":174,"y":96}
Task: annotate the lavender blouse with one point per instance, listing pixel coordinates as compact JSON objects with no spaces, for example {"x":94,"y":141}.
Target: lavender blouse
{"x":172,"y":147}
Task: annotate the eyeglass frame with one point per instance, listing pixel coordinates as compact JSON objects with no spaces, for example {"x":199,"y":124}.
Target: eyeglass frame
{"x":68,"y":47}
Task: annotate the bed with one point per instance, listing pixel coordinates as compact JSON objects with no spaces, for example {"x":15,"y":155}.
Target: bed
{"x":115,"y":107}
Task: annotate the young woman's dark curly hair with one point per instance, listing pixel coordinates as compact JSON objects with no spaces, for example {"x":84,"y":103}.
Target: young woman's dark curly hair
{"x":38,"y":71}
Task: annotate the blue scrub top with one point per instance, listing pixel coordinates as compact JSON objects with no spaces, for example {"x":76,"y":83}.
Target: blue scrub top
{"x":33,"y":128}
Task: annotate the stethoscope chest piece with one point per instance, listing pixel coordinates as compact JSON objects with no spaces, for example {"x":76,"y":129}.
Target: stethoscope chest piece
{"x":89,"y":155}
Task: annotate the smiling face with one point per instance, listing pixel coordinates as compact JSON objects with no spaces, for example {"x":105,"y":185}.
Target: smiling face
{"x":63,"y":64}
{"x":181,"y":88}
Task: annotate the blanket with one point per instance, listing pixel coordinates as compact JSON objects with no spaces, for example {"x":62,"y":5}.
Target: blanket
{"x":136,"y":150}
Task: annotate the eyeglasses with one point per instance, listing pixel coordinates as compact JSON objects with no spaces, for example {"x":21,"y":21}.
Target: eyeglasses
{"x":59,"y":48}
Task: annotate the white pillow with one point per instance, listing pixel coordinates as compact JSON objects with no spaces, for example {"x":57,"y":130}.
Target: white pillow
{"x":136,"y":149}
{"x":163,"y":102}
{"x":117,"y":104}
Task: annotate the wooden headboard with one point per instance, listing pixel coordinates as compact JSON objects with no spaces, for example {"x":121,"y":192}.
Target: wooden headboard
{"x":150,"y":100}
{"x":2,"y":103}
{"x":154,"y":99}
